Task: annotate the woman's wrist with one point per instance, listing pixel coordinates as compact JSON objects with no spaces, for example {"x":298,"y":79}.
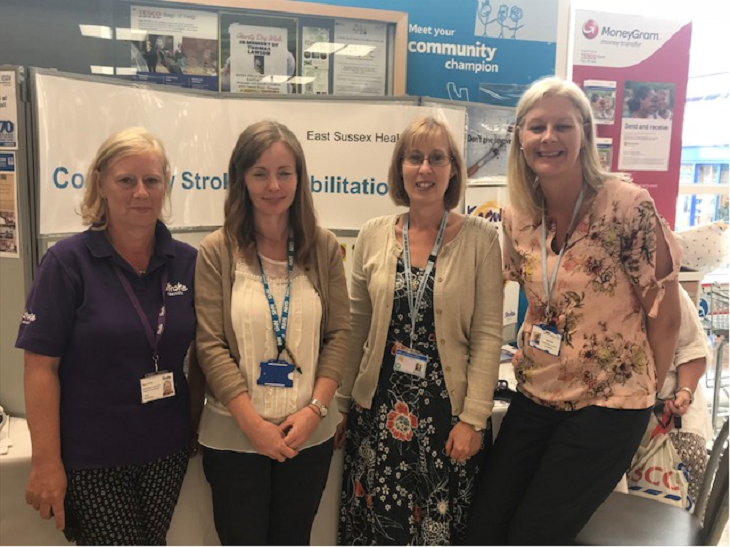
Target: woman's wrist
{"x":687,"y":391}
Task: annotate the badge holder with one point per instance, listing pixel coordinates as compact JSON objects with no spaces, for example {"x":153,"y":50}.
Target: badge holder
{"x":410,"y":362}
{"x":276,"y":373}
{"x":546,"y":338}
{"x":156,"y":385}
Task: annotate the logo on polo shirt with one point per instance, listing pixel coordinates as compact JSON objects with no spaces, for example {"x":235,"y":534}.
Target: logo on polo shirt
{"x":28,"y":317}
{"x":176,"y":290}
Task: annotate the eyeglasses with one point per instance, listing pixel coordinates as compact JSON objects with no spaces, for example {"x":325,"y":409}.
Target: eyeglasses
{"x":435,"y":159}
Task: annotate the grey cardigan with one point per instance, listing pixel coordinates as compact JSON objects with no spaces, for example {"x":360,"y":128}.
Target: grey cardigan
{"x":468,"y":296}
{"x":216,"y":340}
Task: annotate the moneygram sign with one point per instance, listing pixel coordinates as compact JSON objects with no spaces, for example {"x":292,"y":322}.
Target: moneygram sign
{"x":591,"y":29}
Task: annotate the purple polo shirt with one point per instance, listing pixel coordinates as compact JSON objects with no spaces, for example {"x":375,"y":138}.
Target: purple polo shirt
{"x":79,"y":311}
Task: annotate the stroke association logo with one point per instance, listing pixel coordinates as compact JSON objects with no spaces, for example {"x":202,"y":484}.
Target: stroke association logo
{"x":590,"y":29}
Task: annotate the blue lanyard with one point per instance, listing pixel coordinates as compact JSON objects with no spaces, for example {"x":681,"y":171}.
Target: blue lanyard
{"x":549,"y":285}
{"x":279,"y":326}
{"x":414,"y":300}
{"x":153,"y":337}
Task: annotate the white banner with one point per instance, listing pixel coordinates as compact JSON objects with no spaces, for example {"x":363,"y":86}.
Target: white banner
{"x":348,"y":146}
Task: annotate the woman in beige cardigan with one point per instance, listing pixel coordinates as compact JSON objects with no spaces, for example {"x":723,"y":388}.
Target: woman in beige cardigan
{"x":425,"y":353}
{"x":273,"y":335}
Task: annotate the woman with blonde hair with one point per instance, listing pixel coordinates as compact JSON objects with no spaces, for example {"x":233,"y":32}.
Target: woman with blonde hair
{"x":599,"y":268}
{"x":107,"y":325}
{"x":427,"y":329}
{"x":273,"y":338}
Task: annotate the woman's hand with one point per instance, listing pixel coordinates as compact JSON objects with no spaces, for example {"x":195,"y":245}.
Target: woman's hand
{"x":268,"y":439}
{"x":463,"y":442}
{"x":340,"y":433}
{"x":46,"y":490}
{"x":680,"y":404}
{"x":299,"y":426}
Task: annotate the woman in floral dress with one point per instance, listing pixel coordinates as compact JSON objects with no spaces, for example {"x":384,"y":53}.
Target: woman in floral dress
{"x":426,"y":306}
{"x":599,"y":268}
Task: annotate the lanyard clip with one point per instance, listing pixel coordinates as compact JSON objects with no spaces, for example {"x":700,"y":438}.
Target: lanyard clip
{"x":155,"y":360}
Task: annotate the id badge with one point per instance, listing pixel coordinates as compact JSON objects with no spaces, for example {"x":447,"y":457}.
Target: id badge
{"x":158,"y":385}
{"x":546,"y":338}
{"x":276,"y":374}
{"x":410,"y":362}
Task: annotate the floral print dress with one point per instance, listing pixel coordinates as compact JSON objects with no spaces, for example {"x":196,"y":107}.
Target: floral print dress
{"x":399,"y":487}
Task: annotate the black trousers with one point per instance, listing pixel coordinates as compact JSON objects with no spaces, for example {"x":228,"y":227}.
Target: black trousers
{"x":260,"y":501}
{"x":549,"y":471}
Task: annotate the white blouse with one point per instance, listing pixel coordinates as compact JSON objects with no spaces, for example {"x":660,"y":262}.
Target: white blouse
{"x":252,"y":324}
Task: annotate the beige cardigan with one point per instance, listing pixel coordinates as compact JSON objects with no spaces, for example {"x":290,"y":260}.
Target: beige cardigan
{"x":218,"y":352}
{"x":468,"y":295}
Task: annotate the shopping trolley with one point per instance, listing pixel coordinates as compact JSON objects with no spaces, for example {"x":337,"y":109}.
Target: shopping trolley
{"x":716,"y":325}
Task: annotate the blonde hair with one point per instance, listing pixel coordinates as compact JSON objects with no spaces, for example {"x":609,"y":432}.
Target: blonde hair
{"x":239,"y":212}
{"x":524,"y":194}
{"x":418,"y":131}
{"x":127,"y":142}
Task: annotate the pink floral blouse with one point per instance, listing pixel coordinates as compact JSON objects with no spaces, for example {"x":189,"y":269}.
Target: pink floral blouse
{"x":605,"y":357}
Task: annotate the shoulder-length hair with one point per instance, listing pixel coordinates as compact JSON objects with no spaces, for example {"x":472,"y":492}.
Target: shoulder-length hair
{"x":524,"y":192}
{"x":239,"y":211}
{"x":127,"y":142}
{"x":418,"y":131}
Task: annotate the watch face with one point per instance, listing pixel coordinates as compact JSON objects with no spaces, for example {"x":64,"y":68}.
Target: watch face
{"x":323,"y":411}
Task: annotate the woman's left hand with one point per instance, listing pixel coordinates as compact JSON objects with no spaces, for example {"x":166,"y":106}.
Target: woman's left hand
{"x":299,"y":426}
{"x":680,"y":404}
{"x":463,"y":442}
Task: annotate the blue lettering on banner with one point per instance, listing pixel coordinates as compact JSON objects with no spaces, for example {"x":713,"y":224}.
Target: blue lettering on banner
{"x":63,"y":179}
{"x":336,"y":184}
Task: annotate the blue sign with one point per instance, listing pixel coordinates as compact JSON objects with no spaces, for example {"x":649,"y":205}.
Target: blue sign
{"x":475,"y":50}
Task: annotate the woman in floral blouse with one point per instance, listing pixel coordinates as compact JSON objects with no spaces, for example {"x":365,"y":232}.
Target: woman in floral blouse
{"x":599,"y":268}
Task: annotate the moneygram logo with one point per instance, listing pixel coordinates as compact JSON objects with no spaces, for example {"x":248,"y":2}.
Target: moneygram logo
{"x":590,"y":29}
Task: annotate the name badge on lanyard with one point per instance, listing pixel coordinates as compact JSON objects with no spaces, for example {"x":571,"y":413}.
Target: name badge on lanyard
{"x":546,"y":337}
{"x":159,"y":384}
{"x":412,"y":361}
{"x":278,"y":372}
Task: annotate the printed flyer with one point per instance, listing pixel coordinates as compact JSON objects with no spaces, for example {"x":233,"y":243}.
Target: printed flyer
{"x":360,"y":67}
{"x":9,"y":243}
{"x":316,"y":54}
{"x":175,"y":47}
{"x":8,"y":111}
{"x":489,"y":134}
{"x":258,"y":59}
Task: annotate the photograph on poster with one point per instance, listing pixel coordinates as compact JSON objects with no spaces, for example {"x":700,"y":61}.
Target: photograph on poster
{"x":605,"y":152}
{"x":648,"y":100}
{"x":602,"y":95}
{"x":489,"y":135}
{"x":174,"y":46}
{"x":259,"y":52}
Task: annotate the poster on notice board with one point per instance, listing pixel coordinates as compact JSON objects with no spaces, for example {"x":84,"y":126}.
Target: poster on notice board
{"x":9,"y":243}
{"x":8,"y":111}
{"x":177,"y":47}
{"x":634,"y":71}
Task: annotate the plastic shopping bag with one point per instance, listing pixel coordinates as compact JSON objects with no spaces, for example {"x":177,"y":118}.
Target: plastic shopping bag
{"x":658,"y":473}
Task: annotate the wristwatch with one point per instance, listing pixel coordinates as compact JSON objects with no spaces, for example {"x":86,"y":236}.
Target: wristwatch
{"x":320,"y":407}
{"x":689,"y":391}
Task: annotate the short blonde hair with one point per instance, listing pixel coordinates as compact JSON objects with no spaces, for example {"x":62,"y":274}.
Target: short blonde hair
{"x":524,"y":194}
{"x":127,"y":142}
{"x":418,"y":131}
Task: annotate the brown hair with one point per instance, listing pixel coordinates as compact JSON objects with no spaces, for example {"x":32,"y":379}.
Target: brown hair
{"x":127,"y":142}
{"x":238,"y":209}
{"x":418,"y":131}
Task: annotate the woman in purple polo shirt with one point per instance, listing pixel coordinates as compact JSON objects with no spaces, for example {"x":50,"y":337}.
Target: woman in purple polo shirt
{"x":107,"y":325}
